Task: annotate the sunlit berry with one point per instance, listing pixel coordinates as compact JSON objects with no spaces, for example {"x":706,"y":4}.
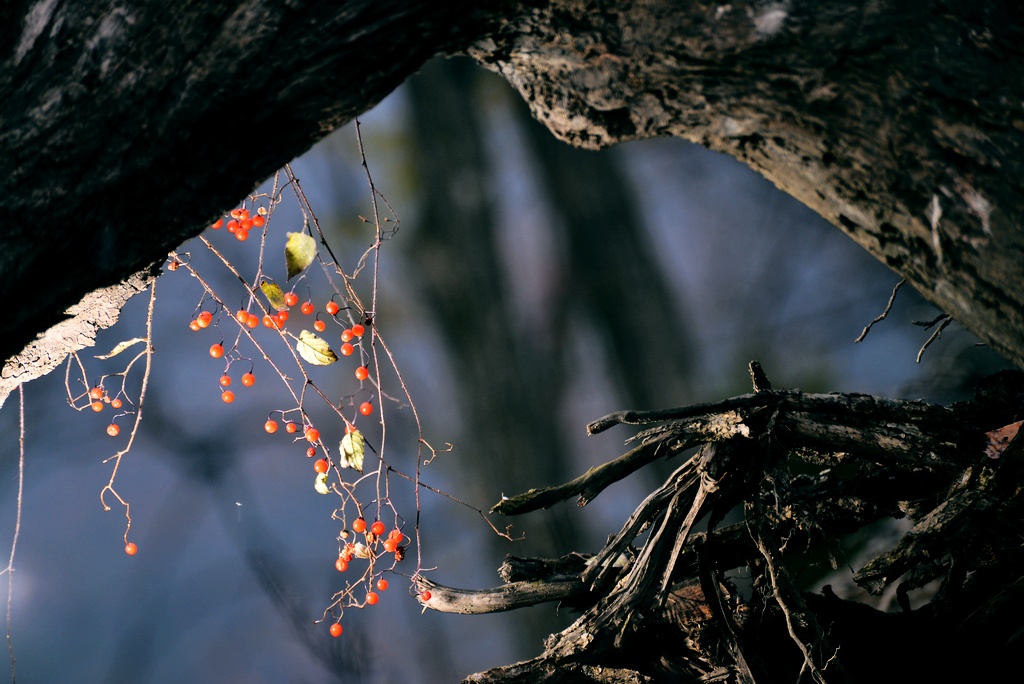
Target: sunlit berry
{"x":377,"y":528}
{"x":225,"y":380}
{"x":227,"y":396}
{"x":366,"y":408}
{"x":382,"y":584}
{"x":270,"y":426}
{"x":312,"y":435}
{"x":96,"y":393}
{"x":332,"y":308}
{"x":362,"y":373}
{"x":291,"y":428}
{"x":336,"y":629}
{"x":116,"y":403}
{"x":372,"y":598}
{"x":319,"y":326}
{"x":217,"y":351}
{"x":248,"y":379}
{"x":131,"y":549}
{"x":320,"y":465}
{"x":307,"y":308}
{"x":291,"y":299}
{"x":96,"y":406}
{"x":359,"y":525}
{"x":113,"y":430}
{"x":347,"y":349}
{"x":358,"y":330}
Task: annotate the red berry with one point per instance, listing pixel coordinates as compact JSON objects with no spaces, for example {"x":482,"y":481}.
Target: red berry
{"x":269,"y":321}
{"x":242,"y":316}
{"x":390,"y":545}
{"x":312,"y":435}
{"x":217,"y":224}
{"x":350,"y":428}
{"x":366,"y":408}
{"x":258,"y":221}
{"x":321,"y":465}
{"x":235,"y":213}
{"x":332,"y":308}
{"x":131,"y":549}
{"x":291,"y":428}
{"x":248,"y":379}
{"x":241,"y":235}
{"x":382,"y":584}
{"x":371,"y":598}
{"x":270,"y":426}
{"x":116,"y":403}
{"x":113,"y":430}
{"x":307,"y":308}
{"x":319,"y":326}
{"x":225,"y":380}
{"x":336,"y":630}
{"x":96,"y":393}
{"x":232,"y":226}
{"x":341,"y":565}
{"x":425,"y":595}
{"x":377,"y":528}
{"x":310,"y":452}
{"x":347,"y":349}
{"x":252,"y":321}
{"x":217,"y":351}
{"x":291,"y":299}
{"x":358,"y":330}
{"x":243,"y":214}
{"x":96,"y":406}
{"x":346,"y":335}
{"x":282,"y":317}
{"x":194,"y":326}
{"x":173,"y":265}
{"x":359,"y":525}
{"x":227,"y":396}
{"x":362,"y":373}
{"x":396,"y":535}
{"x":204,"y":319}
{"x":245,"y":224}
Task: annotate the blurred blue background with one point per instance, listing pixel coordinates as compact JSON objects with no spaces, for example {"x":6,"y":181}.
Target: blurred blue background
{"x":530,"y":289}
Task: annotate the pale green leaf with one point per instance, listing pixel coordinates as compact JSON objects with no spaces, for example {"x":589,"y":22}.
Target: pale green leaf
{"x":315,"y":350}
{"x":275,"y":295}
{"x":353,"y":447}
{"x":320,"y":484}
{"x":299,"y":252}
{"x":120,"y":347}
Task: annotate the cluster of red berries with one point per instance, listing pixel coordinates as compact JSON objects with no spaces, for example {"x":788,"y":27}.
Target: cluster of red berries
{"x":98,"y":399}
{"x":240,"y":223}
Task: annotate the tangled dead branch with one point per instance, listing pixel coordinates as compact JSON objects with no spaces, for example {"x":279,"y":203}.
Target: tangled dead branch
{"x":803,"y":473}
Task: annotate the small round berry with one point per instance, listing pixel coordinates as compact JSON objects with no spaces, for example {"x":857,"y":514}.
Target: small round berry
{"x":131,"y":549}
{"x":113,"y":430}
{"x":248,"y":379}
{"x":359,"y":525}
{"x":347,"y":349}
{"x":366,"y":408}
{"x":258,"y":221}
{"x":232,"y":226}
{"x":243,"y":214}
{"x":396,"y":535}
{"x":307,"y":308}
{"x":341,"y":565}
{"x":291,"y":428}
{"x":217,"y":351}
{"x":116,"y":403}
{"x":270,"y":426}
{"x":320,"y":465}
{"x":225,"y":380}
{"x":358,"y":330}
{"x":235,"y":213}
{"x":371,"y":598}
{"x":291,"y":299}
{"x":96,"y":393}
{"x":319,"y":326}
{"x":390,"y":545}
{"x":194,"y":326}
{"x":241,"y":235}
{"x":425,"y":595}
{"x":204,"y":319}
{"x":310,"y":452}
{"x":312,"y":435}
{"x":332,"y":308}
{"x":218,"y":224}
{"x":173,"y":265}
{"x":346,"y":335}
{"x":281,"y":318}
{"x":269,"y":321}
{"x":362,"y":373}
{"x":96,"y":406}
{"x":382,"y":584}
{"x":227,"y":396}
{"x":245,"y":224}
{"x":252,"y":321}
{"x":377,"y":528}
{"x":242,"y":316}
{"x":336,"y":630}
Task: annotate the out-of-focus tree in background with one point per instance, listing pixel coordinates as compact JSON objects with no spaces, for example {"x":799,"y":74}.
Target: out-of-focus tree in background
{"x":531,"y":287}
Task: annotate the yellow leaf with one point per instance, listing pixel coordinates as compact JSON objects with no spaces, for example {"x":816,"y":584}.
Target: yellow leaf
{"x":275,"y":295}
{"x":299,"y":252}
{"x":353,"y":447}
{"x":315,"y":350}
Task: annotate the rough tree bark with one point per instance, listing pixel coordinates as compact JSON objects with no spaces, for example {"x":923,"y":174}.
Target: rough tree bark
{"x":126,"y":125}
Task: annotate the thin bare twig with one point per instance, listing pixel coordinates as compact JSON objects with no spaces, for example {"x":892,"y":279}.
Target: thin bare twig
{"x":17,"y":522}
{"x":881,"y":316}
{"x":935,"y":335}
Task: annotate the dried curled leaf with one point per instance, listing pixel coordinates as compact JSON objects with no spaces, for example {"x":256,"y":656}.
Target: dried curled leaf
{"x":299,"y":252}
{"x":353,"y":447}
{"x":275,"y":295}
{"x":320,"y":484}
{"x":120,"y":347}
{"x":999,"y":439}
{"x":315,"y":350}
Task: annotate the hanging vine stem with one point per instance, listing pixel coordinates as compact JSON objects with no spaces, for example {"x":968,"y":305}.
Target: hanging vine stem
{"x":9,"y":570}
{"x":138,"y":418}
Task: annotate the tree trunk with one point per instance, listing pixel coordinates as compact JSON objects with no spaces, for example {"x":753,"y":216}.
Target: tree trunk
{"x":900,"y":122}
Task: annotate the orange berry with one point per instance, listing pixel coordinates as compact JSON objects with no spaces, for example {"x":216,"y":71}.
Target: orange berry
{"x":232,"y":226}
{"x":291,"y":428}
{"x":350,"y":428}
{"x":241,"y":235}
{"x":390,"y":545}
{"x":217,"y":351}
{"x":194,"y":326}
{"x":382,"y":584}
{"x":227,"y":396}
{"x":366,"y":408}
{"x":258,"y":221}
{"x":359,"y":525}
{"x":248,"y":379}
{"x":96,"y":406}
{"x":96,"y":393}
{"x":371,"y":598}
{"x":113,"y":430}
{"x":282,"y":317}
{"x":131,"y":549}
{"x":242,"y":316}
{"x":319,"y":326}
{"x":252,"y":321}
{"x":336,"y":629}
{"x":245,"y":224}
{"x":341,"y":565}
{"x":218,"y":224}
{"x":321,"y":465}
{"x":358,"y":330}
{"x":347,"y":349}
{"x":346,"y":335}
{"x":173,"y":265}
{"x":312,"y":435}
{"x":225,"y":380}
{"x":204,"y":319}
{"x":269,"y":321}
{"x":307,"y":308}
{"x":397,"y":535}
{"x":235,"y":213}
{"x":243,"y":214}
{"x":270,"y":426}
{"x":425,"y":595}
{"x":291,"y":299}
{"x":310,"y":452}
{"x":362,"y":373}
{"x":116,"y":403}
{"x":377,"y":528}
{"x":332,"y":308}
